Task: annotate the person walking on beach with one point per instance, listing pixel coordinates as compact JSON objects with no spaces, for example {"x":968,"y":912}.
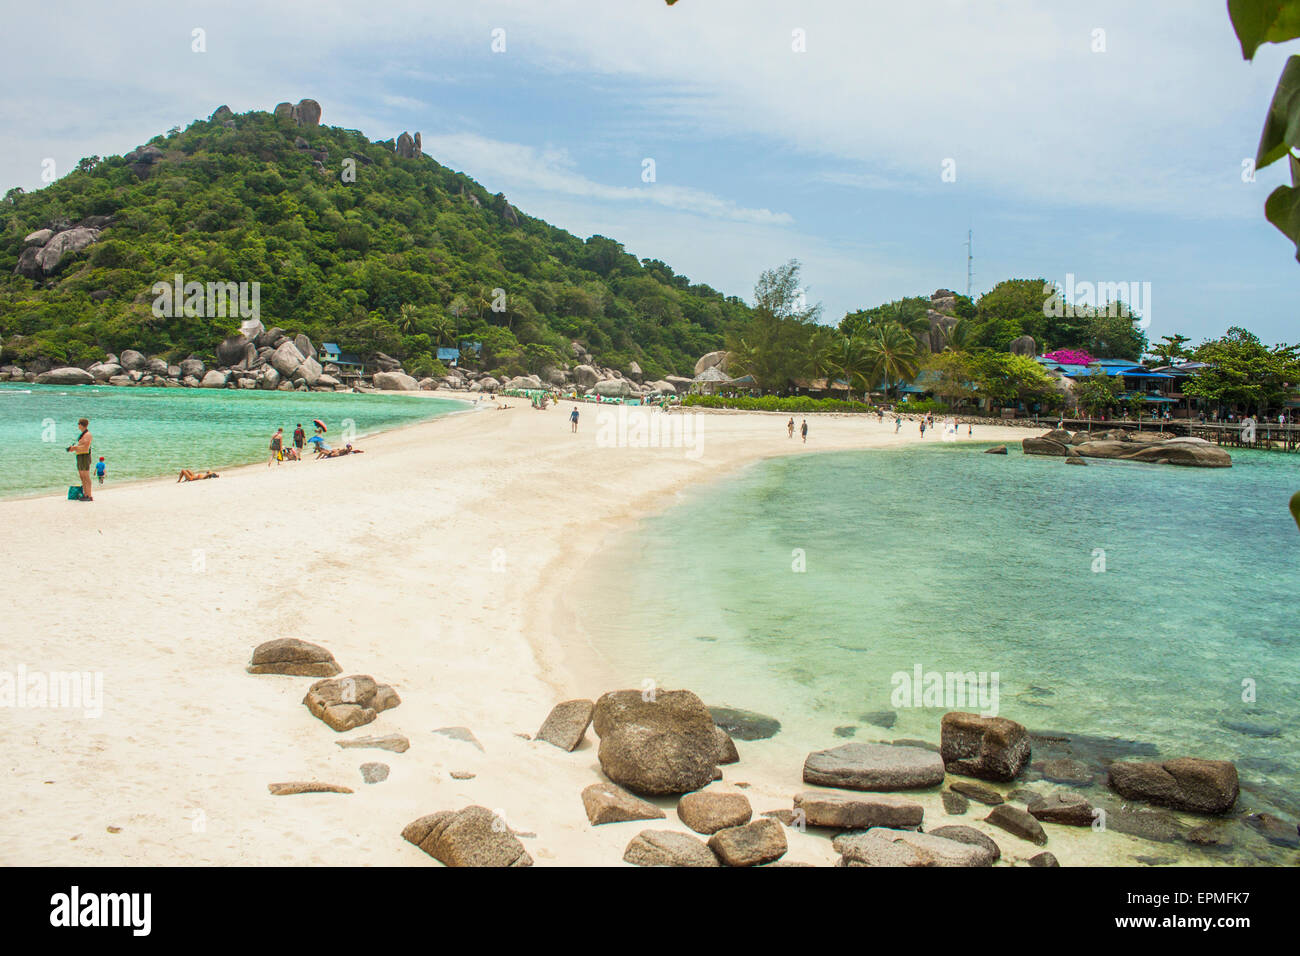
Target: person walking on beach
{"x":99,"y":470}
{"x":898,"y":423}
{"x":299,"y":439}
{"x":922,"y":427}
{"x":803,"y":431}
{"x":277,"y":442}
{"x":789,"y":426}
{"x":573,"y":419}
{"x":82,"y":450}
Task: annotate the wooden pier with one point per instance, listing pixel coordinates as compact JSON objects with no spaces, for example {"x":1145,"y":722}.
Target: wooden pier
{"x":1268,"y":437}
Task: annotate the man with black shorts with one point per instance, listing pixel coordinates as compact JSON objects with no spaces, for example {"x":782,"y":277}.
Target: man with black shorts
{"x":299,"y":439}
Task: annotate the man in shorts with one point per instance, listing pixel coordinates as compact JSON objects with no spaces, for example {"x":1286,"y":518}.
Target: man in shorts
{"x":82,"y":450}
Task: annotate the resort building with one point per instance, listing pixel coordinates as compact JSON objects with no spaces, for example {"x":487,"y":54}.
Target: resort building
{"x":349,"y":364}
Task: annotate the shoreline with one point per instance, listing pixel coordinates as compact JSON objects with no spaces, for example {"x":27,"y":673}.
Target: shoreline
{"x":437,"y":564}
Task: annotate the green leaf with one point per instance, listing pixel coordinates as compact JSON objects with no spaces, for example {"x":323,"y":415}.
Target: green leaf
{"x":1282,"y":125}
{"x":1295,"y":508}
{"x":1282,"y":209}
{"x":1264,"y":21}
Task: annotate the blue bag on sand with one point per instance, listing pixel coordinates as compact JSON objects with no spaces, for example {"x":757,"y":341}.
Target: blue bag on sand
{"x":74,"y":492}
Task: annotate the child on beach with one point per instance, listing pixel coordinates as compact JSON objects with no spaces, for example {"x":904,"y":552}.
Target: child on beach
{"x":99,"y":470}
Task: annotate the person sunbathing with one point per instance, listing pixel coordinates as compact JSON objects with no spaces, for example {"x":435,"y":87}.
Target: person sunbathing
{"x":187,"y":475}
{"x":340,"y":452}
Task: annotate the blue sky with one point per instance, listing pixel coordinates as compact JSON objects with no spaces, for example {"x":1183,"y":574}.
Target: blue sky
{"x":1122,"y":164}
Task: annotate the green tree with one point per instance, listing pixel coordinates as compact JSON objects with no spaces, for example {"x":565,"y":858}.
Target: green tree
{"x":1244,"y":373}
{"x":892,"y":355}
{"x":1097,"y":393}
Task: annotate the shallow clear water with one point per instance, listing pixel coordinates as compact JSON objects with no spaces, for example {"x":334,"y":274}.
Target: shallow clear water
{"x":954,"y":560}
{"x":145,"y":432}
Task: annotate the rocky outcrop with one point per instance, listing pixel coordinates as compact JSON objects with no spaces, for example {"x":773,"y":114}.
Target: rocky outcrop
{"x":142,"y":160}
{"x":845,"y":811}
{"x":347,"y":702}
{"x":65,"y":376}
{"x":660,"y":744}
{"x":991,"y":748}
{"x":303,"y":113}
{"x":874,"y":767}
{"x":474,"y":836}
{"x":1024,"y":345}
{"x":567,"y":724}
{"x":711,"y":360}
{"x":613,"y":388}
{"x":43,"y":259}
{"x":607,"y":803}
{"x":395,"y":382}
{"x":750,"y":845}
{"x":408,"y":148}
{"x":585,"y":376}
{"x":214,"y":379}
{"x":1117,"y":444}
{"x":288,"y":655}
{"x":709,"y":811}
{"x":668,"y":848}
{"x":1187,"y":783}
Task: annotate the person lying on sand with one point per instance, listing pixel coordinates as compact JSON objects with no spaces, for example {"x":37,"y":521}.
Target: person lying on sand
{"x":187,"y":475}
{"x":340,"y":452}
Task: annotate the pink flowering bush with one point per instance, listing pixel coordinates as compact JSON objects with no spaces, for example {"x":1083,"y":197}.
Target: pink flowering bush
{"x":1070,"y":357}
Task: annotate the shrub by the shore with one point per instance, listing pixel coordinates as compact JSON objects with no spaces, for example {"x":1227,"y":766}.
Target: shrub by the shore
{"x":803,"y":403}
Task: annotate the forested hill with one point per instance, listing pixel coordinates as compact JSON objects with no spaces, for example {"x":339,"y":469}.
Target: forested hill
{"x":369,"y":244}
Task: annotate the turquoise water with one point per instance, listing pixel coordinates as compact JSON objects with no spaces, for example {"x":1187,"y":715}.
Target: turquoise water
{"x":145,"y":432}
{"x":955,"y":560}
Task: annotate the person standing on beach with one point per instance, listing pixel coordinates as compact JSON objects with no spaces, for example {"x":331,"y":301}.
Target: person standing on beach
{"x":898,"y":423}
{"x":82,"y":450}
{"x":573,"y":419}
{"x":803,"y":430}
{"x":922,"y":427}
{"x":299,"y":439}
{"x":99,"y":470}
{"x":789,"y":426}
{"x":277,"y":442}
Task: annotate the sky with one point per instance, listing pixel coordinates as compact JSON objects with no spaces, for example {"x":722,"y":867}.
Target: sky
{"x":1102,"y":141}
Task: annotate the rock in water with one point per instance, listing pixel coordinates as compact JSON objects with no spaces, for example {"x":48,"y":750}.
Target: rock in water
{"x":347,"y":702}
{"x":971,"y":837}
{"x":874,"y":767}
{"x":658,"y":746}
{"x":750,"y":845}
{"x":709,"y":811}
{"x":1017,"y":822}
{"x":1071,"y":809}
{"x":567,"y":724}
{"x":996,"y":450}
{"x":850,"y":812}
{"x":955,"y":803}
{"x":607,"y":803}
{"x":727,"y":753}
{"x":288,"y":655}
{"x":977,"y":792}
{"x":745,"y":724}
{"x":668,"y":848}
{"x":991,"y":748}
{"x":65,"y":376}
{"x":1188,"y":783}
{"x":474,"y":836}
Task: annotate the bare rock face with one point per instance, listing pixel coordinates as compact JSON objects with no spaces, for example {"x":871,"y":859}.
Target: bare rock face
{"x":874,"y":767}
{"x":661,"y":745}
{"x":709,"y":812}
{"x":941,"y":327}
{"x":474,"y":836}
{"x":711,"y":360}
{"x":607,"y":803}
{"x":306,"y":113}
{"x":1188,"y":783}
{"x":943,"y":300}
{"x":230,"y":351}
{"x":286,"y":359}
{"x":567,"y":724}
{"x":408,"y":148}
{"x":27,"y":264}
{"x":143,"y":159}
{"x":750,"y":845}
{"x":844,"y":811}
{"x":1024,"y":345}
{"x":991,"y":748}
{"x":347,"y":702}
{"x":191,"y":367}
{"x":38,"y":238}
{"x":213,"y":379}
{"x":288,"y":655}
{"x":221,"y":114}
{"x":668,"y":848}
{"x":585,"y":376}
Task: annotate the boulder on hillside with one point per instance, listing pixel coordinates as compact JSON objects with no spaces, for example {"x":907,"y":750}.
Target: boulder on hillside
{"x":386,"y":363}
{"x":27,"y":264}
{"x":63,"y":245}
{"x":991,"y":748}
{"x":304,"y":346}
{"x":585,"y":376}
{"x":711,"y":360}
{"x":286,"y":359}
{"x":474,"y":836}
{"x":1024,"y":345}
{"x":38,"y":238}
{"x":65,"y":376}
{"x":634,"y":371}
{"x":395,"y":382}
{"x":1187,"y":783}
{"x":288,"y":655}
{"x":661,"y":745}
{"x":306,"y":113}
{"x":679,"y":382}
{"x":346,"y":702}
{"x":133,"y":361}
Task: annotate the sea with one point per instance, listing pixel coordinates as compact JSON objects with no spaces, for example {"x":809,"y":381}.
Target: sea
{"x":147,"y":432}
{"x":1131,"y":610}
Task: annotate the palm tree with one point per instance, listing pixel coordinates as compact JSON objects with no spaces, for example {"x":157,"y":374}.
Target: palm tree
{"x":851,"y":360}
{"x":891,"y":354}
{"x":961,"y":336}
{"x":408,"y":319}
{"x":442,"y":329}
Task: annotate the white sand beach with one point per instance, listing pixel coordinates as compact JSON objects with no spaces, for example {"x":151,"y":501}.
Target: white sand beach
{"x":438,"y":562}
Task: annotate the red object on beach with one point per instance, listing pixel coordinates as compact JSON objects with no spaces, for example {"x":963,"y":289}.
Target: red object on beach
{"x":319,"y":424}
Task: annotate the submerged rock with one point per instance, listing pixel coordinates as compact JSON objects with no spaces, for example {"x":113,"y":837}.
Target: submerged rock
{"x":1188,"y":783}
{"x":1017,"y":822}
{"x":970,"y":836}
{"x":1071,"y":809}
{"x":992,"y":748}
{"x":745,"y":724}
